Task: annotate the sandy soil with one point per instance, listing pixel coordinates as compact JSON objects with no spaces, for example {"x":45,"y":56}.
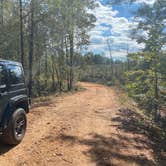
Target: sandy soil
{"x":88,"y":128}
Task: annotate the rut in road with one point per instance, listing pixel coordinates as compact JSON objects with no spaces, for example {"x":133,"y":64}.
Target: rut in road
{"x":88,"y":128}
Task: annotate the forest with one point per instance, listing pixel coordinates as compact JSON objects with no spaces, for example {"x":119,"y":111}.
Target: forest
{"x":45,"y":37}
{"x":48,"y":37}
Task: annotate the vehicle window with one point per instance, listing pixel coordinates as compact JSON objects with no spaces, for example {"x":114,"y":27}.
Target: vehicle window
{"x":15,"y":74}
{"x":2,"y":76}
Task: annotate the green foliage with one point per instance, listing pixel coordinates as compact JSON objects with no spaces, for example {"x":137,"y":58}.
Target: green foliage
{"x":141,"y":84}
{"x":52,"y":33}
{"x":98,"y":68}
{"x":145,"y":80}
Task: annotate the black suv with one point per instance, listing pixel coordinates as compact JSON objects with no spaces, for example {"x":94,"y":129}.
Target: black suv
{"x":13,"y":102}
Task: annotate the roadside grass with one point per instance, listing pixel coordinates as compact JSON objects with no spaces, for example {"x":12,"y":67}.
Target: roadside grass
{"x":137,"y":120}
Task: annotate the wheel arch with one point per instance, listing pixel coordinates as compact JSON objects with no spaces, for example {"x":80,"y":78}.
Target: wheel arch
{"x":15,"y":103}
{"x":20,"y":101}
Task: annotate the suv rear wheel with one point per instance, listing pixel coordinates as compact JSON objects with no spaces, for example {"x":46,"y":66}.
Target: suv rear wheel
{"x":16,"y":129}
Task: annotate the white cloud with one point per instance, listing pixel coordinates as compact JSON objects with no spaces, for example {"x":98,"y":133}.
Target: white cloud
{"x":109,"y":25}
{"x":150,"y":2}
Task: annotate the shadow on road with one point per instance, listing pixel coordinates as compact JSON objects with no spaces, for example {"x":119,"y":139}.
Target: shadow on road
{"x":132,"y":122}
{"x":103,"y":150}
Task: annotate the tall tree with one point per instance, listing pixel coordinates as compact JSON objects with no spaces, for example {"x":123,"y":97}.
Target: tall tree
{"x":2,"y":10}
{"x":21,"y":33}
{"x":153,"y":25}
{"x":31,"y":46}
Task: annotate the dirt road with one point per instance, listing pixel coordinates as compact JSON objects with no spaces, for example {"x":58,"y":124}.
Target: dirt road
{"x":89,"y":128}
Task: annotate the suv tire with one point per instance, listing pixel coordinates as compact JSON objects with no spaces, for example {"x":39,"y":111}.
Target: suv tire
{"x":16,"y":129}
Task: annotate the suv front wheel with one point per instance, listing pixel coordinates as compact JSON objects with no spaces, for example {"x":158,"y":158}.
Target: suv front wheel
{"x":16,"y":129}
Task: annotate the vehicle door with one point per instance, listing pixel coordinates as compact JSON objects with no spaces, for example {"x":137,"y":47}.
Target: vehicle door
{"x":16,"y":81}
{"x":3,"y":90}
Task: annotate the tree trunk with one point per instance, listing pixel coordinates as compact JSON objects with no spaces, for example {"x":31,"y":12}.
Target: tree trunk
{"x":58,"y":77}
{"x":46,"y":68}
{"x":53,"y":73}
{"x":38,"y":62}
{"x":156,"y":91}
{"x":67,"y":64}
{"x":2,"y":1}
{"x":31,"y":46}
{"x":71,"y":74}
{"x":111,"y":59}
{"x":21,"y":35}
{"x":156,"y":95}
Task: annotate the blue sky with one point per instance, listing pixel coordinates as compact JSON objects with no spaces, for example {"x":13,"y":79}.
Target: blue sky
{"x":114,"y":24}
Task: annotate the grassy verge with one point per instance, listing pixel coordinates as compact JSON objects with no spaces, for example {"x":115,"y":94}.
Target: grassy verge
{"x":137,"y":121}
